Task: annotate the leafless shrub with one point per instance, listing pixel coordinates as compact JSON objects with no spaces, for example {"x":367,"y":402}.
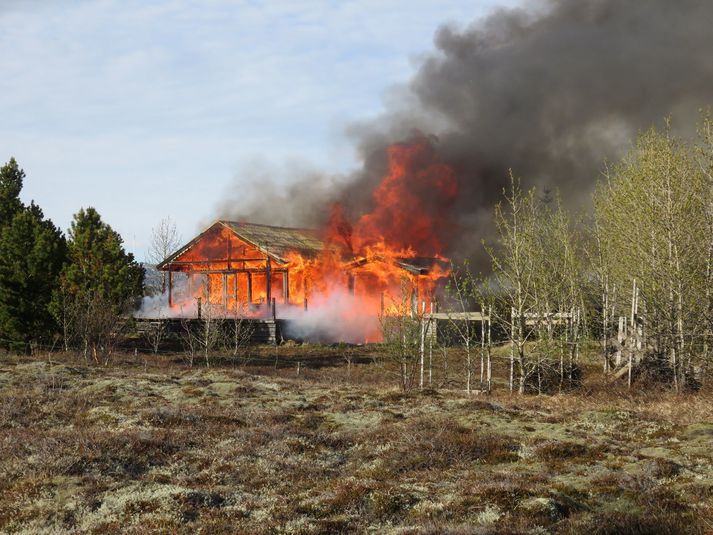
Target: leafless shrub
{"x":201,"y":336}
{"x":154,"y":333}
{"x":651,"y":521}
{"x":95,"y":325}
{"x":547,"y":376}
{"x":435,"y":444}
{"x":401,"y":330}
{"x":554,"y":450}
{"x":239,"y":332}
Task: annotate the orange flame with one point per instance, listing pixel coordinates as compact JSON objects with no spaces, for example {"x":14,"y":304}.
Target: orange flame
{"x":389,"y":258}
{"x":409,"y":222}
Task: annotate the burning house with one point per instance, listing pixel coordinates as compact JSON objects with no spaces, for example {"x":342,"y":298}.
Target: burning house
{"x":386,"y":261}
{"x":253,"y":270}
{"x":242,"y":267}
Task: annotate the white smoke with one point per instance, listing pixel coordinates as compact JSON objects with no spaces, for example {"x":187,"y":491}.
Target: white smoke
{"x":337,"y":316}
{"x":333,"y":316}
{"x":183,"y":292}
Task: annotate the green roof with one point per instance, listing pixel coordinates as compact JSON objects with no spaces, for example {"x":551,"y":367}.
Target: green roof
{"x":274,"y":242}
{"x":278,"y":241}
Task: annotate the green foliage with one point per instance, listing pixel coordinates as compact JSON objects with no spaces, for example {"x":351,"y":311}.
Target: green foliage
{"x":98,"y":278}
{"x":513,"y":267}
{"x":99,"y":282}
{"x":537,"y":287}
{"x":402,"y":334}
{"x":98,"y":264}
{"x":654,"y":226}
{"x":32,"y":251}
{"x":11,"y":178}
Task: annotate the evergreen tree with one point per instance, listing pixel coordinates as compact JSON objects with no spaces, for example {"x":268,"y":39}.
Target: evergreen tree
{"x":32,"y":251}
{"x":98,"y":283}
{"x":11,"y":178}
{"x":98,"y":264}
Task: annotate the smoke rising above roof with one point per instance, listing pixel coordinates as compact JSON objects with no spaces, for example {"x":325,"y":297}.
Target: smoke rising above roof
{"x":550,"y":90}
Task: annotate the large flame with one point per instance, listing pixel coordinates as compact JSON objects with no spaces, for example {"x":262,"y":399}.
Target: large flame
{"x":385,"y":261}
{"x":411,"y":205}
{"x":408,"y":226}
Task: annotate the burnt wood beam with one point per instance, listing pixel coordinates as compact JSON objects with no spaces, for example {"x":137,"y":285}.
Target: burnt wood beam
{"x":230,"y":271}
{"x":268,"y":278}
{"x":218,"y":261}
{"x":225,"y":290}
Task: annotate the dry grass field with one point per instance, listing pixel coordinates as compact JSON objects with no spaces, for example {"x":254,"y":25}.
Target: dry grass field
{"x":158,"y":447}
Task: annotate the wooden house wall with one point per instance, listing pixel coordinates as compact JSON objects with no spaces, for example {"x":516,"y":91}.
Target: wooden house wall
{"x":221,"y":256}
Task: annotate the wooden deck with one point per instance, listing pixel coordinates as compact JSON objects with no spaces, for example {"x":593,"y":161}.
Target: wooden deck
{"x":275,"y":331}
{"x":457,"y":316}
{"x":259,"y":331}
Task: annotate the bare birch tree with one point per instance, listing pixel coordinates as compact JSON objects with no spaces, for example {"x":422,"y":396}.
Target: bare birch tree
{"x":402,"y":332}
{"x":704,"y":160}
{"x":462,"y":291}
{"x":513,"y":273}
{"x":165,"y":240}
{"x":653,"y":211}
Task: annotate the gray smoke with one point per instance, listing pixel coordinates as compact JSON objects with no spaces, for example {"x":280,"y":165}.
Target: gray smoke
{"x":299,"y":198}
{"x":550,"y":90}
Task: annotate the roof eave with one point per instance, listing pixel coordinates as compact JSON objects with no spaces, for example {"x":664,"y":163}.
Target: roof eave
{"x":166,"y":263}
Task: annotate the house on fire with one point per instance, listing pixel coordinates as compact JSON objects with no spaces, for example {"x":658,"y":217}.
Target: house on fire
{"x":242,"y":262}
{"x":246,"y":266}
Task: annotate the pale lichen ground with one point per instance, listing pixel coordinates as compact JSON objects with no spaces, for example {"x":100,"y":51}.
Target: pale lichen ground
{"x":179,"y":450}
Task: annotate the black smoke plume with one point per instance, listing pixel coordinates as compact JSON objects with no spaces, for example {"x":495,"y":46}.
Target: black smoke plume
{"x":550,"y":90}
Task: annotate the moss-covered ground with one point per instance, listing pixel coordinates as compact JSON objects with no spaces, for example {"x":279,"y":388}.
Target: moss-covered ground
{"x":143,"y":447}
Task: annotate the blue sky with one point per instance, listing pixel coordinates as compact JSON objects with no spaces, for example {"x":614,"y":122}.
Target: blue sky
{"x":148,"y":109}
